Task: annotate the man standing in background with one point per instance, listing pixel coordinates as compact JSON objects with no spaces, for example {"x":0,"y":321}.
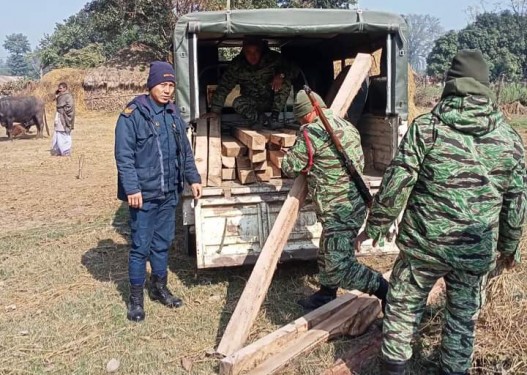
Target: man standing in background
{"x":64,"y":121}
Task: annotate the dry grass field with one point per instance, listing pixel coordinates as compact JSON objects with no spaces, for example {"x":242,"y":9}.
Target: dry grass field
{"x":63,"y":281}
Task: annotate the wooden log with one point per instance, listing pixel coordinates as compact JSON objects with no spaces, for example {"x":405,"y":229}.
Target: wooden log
{"x":250,"y":138}
{"x":348,"y":90}
{"x":359,"y":355}
{"x":228,"y":161}
{"x":257,"y":156}
{"x":228,"y":174}
{"x":276,"y":172}
{"x":353,"y":320}
{"x":201,"y":151}
{"x":367,"y":348}
{"x":246,"y":176}
{"x":232,"y":147}
{"x":265,"y":175}
{"x":244,"y":170}
{"x":253,"y":354}
{"x":260,"y":166}
{"x":242,"y":319}
{"x":276,"y":157}
{"x":284,"y":139}
{"x":214,"y":173}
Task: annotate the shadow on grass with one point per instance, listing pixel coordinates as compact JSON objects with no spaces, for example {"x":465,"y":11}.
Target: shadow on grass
{"x":280,"y":305}
{"x":108,"y":261}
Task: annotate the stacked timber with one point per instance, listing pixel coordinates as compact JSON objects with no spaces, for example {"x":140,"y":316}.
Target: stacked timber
{"x":246,"y":156}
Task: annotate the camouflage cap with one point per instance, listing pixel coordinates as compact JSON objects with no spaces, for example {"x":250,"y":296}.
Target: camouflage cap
{"x":303,"y":105}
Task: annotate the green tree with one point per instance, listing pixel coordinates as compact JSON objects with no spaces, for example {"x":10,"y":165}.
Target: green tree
{"x":423,"y":31}
{"x":444,"y":49}
{"x":500,"y":37}
{"x":18,"y":46}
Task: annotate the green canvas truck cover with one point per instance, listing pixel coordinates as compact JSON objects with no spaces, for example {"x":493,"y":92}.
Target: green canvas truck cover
{"x":289,"y":22}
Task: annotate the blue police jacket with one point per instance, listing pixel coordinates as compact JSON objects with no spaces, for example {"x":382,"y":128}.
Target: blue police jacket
{"x":146,"y":159}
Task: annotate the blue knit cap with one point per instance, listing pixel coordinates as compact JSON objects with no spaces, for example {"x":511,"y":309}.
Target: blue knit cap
{"x":160,"y":72}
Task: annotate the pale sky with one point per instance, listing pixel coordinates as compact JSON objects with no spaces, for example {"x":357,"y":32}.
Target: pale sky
{"x":34,"y":18}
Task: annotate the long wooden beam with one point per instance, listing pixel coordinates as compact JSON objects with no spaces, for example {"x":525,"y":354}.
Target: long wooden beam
{"x":244,"y":315}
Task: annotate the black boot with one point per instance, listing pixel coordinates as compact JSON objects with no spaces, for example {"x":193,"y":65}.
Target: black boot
{"x":159,"y":292}
{"x":319,"y":298}
{"x":260,"y":122}
{"x":389,"y":367}
{"x":381,"y":293}
{"x":136,"y":312}
{"x":273,"y":122}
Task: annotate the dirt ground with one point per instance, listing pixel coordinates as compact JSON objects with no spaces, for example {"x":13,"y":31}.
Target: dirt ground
{"x":63,"y":281}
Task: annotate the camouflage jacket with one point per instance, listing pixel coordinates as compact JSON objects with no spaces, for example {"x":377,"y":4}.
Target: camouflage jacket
{"x":254,"y":81}
{"x":337,"y":201}
{"x":460,"y":171}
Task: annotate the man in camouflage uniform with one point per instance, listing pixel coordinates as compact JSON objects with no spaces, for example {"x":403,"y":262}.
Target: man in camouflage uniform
{"x":338,"y":204}
{"x":265,"y":84}
{"x":460,"y":172}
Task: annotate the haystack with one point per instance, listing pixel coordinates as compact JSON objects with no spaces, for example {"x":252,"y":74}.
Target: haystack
{"x":111,"y":86}
{"x":45,"y":88}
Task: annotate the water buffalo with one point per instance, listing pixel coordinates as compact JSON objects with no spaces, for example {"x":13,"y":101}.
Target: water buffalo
{"x":25,"y":110}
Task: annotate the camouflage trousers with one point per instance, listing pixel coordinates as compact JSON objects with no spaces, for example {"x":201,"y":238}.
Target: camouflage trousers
{"x":410,"y":282}
{"x":338,"y":266}
{"x":250,"y":107}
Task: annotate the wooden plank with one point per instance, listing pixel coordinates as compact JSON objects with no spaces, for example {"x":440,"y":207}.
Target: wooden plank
{"x":201,"y":151}
{"x":244,"y":170}
{"x":232,"y":147}
{"x":249,"y":356}
{"x":243,"y":162}
{"x":348,"y":90}
{"x":257,"y":156}
{"x":255,"y":290}
{"x":246,"y":176}
{"x":251,"y":138}
{"x":284,"y":139}
{"x":366,"y":348}
{"x":214,"y":172}
{"x":276,"y":172}
{"x":228,"y":161}
{"x":276,"y":157}
{"x":354,"y":319}
{"x":265,"y":175}
{"x":359,"y":354}
{"x":228,"y":174}
{"x":260,"y":166}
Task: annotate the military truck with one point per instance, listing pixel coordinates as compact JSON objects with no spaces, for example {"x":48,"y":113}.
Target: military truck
{"x":230,"y":224}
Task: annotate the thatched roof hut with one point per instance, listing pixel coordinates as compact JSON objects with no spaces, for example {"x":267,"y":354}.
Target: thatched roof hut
{"x":112,"y":85}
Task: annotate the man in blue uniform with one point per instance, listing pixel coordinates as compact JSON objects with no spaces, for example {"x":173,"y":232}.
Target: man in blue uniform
{"x":154,"y":159}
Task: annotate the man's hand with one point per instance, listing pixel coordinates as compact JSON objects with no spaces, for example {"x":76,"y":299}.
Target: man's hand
{"x":277,"y":82}
{"x":135,"y":200}
{"x":360,"y":239}
{"x":208,"y":115}
{"x":197,"y":190}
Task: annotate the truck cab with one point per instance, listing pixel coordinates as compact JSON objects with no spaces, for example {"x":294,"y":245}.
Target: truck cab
{"x":230,"y":224}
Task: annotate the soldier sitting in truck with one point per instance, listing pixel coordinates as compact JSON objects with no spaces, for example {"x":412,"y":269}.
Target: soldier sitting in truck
{"x":265,"y":80}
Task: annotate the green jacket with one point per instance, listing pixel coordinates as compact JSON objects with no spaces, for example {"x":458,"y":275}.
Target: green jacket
{"x":337,"y":201}
{"x":255,"y":81}
{"x":460,"y":172}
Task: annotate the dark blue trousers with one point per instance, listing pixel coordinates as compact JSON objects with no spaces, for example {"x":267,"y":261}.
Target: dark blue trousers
{"x":152,"y":231}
